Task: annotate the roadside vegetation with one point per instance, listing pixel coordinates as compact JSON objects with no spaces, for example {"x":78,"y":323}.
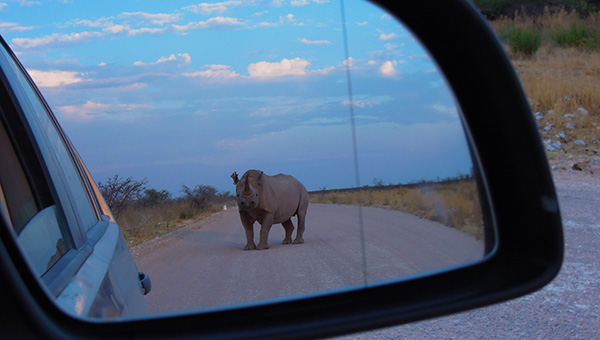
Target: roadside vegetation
{"x":144,"y":213}
{"x":555,"y":49}
{"x":452,"y":202}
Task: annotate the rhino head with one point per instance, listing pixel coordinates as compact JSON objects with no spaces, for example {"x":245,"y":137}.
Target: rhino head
{"x":247,"y":189}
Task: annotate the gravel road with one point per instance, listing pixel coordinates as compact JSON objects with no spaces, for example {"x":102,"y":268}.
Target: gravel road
{"x":204,"y":265}
{"x":567,"y":308}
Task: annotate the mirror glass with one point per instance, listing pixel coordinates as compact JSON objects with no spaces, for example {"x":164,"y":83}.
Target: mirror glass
{"x":178,"y":97}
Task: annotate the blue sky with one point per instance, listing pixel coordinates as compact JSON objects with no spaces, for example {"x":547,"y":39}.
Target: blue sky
{"x":186,"y":92}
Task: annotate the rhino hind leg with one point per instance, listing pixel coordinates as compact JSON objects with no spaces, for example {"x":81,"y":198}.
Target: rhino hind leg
{"x":300,"y":232}
{"x":289,"y":228}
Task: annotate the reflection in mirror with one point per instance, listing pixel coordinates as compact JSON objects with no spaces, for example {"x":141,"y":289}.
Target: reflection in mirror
{"x":177,"y":98}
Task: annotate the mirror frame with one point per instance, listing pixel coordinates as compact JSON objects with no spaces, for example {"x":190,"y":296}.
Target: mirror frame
{"x":519,"y":186}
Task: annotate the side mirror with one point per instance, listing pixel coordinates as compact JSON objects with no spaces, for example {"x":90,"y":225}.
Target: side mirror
{"x":516,"y":190}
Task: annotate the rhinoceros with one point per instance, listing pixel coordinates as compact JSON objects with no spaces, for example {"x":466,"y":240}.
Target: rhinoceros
{"x":270,"y":200}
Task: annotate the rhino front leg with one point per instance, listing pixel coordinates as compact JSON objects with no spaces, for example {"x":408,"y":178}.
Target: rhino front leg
{"x":289,"y":228}
{"x":264,"y":232}
{"x":249,"y":229}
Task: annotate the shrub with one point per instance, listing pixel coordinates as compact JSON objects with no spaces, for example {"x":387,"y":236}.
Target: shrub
{"x":119,"y":192}
{"x":579,"y":35}
{"x":524,"y":40}
{"x":153,"y":197}
{"x":200,"y":195}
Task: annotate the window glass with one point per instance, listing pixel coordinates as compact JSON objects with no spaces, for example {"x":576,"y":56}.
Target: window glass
{"x":17,"y":197}
{"x":65,"y":175}
{"x":42,"y":240}
{"x":39,"y":233}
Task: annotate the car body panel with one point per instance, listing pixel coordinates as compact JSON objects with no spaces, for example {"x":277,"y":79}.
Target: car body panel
{"x":67,"y":234}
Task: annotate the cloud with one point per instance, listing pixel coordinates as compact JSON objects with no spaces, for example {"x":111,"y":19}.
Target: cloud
{"x":314,"y":42}
{"x":55,"y":78}
{"x":299,"y":2}
{"x":183,"y":58}
{"x":285,"y":67}
{"x":216,"y":22}
{"x":388,"y":68}
{"x":288,"y":19}
{"x":206,"y":8}
{"x":446,"y":109}
{"x":55,"y":39}
{"x":306,"y":2}
{"x":28,"y":3}
{"x":349,"y":63}
{"x":388,"y":36}
{"x":363,"y":103}
{"x":2,"y":5}
{"x":145,"y":30}
{"x":143,"y":18}
{"x":91,"y":110}
{"x":217,"y":72}
{"x":6,"y":27}
{"x":101,"y":22}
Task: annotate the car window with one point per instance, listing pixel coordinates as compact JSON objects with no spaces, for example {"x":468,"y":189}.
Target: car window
{"x":58,"y":158}
{"x":17,"y":196}
{"x":38,"y":230}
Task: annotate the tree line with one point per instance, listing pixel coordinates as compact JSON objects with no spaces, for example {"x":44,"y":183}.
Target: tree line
{"x":121,"y":193}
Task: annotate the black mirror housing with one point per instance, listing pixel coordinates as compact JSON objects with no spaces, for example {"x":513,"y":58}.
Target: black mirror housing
{"x":518,"y":187}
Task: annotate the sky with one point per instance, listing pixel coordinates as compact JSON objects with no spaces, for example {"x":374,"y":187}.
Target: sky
{"x":187,"y":92}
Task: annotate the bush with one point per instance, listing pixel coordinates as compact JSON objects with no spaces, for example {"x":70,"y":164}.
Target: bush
{"x":200,"y":195}
{"x":120,"y":192}
{"x":577,"y":35}
{"x":153,"y":197}
{"x":523,"y":40}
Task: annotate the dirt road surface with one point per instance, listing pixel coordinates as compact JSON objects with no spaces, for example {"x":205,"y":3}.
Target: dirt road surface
{"x":567,"y":308}
{"x":204,"y":265}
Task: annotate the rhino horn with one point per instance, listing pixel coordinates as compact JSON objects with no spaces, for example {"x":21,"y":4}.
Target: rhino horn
{"x":235,"y":178}
{"x":247,"y":191}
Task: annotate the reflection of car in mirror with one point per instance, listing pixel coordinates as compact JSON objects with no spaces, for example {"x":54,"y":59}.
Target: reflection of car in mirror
{"x":55,"y":212}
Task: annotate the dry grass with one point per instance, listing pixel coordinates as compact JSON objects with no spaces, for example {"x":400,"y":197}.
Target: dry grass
{"x":140,"y":224}
{"x":455,"y":204}
{"x":563,"y":84}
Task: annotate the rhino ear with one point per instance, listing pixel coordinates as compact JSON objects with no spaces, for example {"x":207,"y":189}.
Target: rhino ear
{"x":259,"y":177}
{"x":234,"y":175}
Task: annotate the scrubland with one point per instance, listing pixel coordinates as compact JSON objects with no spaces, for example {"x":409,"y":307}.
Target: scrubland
{"x":454,"y":203}
{"x":141,"y":223}
{"x":561,"y":78}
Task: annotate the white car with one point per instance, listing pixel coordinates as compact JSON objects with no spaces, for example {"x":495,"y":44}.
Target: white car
{"x":54,"y":209}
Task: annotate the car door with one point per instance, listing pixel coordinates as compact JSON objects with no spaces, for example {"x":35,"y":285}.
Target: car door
{"x":58,"y":217}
